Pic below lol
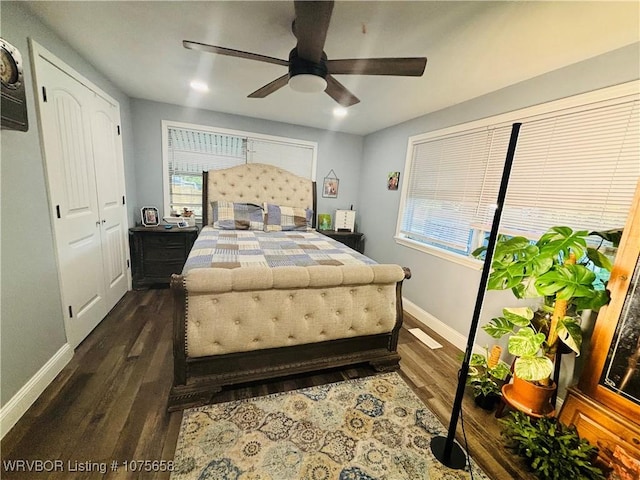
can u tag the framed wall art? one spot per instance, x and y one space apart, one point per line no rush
330 185
393 179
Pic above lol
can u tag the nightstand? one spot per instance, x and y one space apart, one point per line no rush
353 240
158 252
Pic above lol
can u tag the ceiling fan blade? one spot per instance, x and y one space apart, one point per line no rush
271 87
310 28
411 67
339 93
203 47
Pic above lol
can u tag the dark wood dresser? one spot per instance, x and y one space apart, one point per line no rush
353 240
605 405
157 252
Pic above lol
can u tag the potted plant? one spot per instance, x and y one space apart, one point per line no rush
552 450
554 268
486 375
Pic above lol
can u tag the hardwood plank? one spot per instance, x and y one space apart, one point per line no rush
109 403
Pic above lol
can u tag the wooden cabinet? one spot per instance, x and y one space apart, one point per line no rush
605 405
158 252
353 240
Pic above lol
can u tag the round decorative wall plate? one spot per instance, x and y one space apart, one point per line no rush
14 103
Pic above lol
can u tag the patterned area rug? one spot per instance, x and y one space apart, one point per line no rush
365 429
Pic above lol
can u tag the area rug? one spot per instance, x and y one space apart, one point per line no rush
365 429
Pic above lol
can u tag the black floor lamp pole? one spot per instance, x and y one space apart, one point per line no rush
444 448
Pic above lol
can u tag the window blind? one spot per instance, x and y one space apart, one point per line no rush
191 149
190 152
447 179
297 159
576 167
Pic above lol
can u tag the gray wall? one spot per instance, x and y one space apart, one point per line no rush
442 288
338 151
31 322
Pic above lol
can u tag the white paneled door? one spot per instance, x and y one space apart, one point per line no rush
83 156
109 168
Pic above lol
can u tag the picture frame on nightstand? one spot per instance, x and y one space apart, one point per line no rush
149 216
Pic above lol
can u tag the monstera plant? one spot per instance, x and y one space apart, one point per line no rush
555 268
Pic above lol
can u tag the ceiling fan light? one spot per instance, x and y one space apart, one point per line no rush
339 112
307 83
199 86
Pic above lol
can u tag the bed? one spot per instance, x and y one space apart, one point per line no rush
266 296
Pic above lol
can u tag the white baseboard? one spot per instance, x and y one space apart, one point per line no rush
29 393
442 329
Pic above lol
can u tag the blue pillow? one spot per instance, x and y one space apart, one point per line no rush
237 216
279 218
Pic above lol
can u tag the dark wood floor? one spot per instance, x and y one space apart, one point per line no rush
109 403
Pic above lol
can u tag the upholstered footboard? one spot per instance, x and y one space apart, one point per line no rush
238 325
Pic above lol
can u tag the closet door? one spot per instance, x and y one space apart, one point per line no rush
82 148
109 168
65 117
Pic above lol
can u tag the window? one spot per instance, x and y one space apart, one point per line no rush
577 163
446 183
188 150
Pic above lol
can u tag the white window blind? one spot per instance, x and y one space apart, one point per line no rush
576 167
447 180
189 150
297 159
189 153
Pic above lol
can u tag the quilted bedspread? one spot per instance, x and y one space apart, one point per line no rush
247 248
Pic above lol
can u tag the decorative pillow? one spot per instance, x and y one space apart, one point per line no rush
237 216
280 218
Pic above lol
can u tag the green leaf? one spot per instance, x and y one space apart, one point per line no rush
498 327
520 316
500 371
525 342
526 288
599 259
512 260
477 360
563 240
502 280
600 298
533 368
567 282
612 236
570 333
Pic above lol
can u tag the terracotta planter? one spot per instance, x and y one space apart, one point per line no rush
529 397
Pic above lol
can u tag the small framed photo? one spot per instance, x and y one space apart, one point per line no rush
330 187
150 216
393 179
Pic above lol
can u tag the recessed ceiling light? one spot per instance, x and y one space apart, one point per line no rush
339 112
199 86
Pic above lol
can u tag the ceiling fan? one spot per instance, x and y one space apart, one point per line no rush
309 68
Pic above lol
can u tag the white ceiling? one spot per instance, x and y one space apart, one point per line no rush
473 48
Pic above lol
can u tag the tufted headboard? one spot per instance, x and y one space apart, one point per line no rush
257 183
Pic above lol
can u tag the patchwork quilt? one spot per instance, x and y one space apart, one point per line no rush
254 248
